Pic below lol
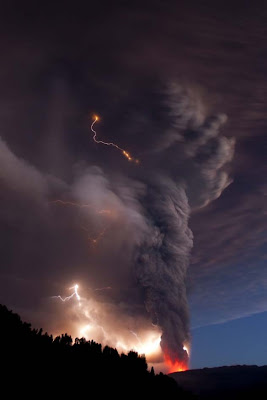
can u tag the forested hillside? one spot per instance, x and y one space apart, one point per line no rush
36 364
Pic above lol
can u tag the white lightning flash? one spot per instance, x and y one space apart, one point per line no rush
75 293
185 348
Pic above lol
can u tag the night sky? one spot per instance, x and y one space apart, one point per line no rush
171 245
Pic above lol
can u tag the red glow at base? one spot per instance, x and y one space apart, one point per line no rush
175 366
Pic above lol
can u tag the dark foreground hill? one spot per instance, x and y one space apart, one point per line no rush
235 382
36 365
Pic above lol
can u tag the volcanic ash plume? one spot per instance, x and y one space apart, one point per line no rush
191 156
161 267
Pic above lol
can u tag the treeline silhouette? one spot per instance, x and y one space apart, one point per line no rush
36 364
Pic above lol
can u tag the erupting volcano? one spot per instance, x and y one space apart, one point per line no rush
175 366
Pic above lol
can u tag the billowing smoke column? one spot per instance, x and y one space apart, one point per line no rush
161 266
192 155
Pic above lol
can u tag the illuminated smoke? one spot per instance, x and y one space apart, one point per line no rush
125 153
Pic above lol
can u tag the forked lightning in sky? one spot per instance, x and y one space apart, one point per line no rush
125 153
104 212
75 293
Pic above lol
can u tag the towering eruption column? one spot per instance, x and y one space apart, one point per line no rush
187 172
162 266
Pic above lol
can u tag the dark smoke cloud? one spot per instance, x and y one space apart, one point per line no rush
162 263
195 175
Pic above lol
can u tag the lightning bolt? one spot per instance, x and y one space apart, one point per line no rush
75 293
104 212
185 348
147 346
125 153
135 334
79 205
96 239
69 203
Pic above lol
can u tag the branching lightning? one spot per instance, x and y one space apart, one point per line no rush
149 345
79 205
125 153
103 212
103 288
135 335
75 293
69 203
98 237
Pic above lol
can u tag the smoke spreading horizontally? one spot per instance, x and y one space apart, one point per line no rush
148 243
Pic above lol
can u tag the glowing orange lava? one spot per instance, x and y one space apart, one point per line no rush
175 366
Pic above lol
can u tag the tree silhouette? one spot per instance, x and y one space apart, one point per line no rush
36 364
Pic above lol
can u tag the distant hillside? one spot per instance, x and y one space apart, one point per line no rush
234 382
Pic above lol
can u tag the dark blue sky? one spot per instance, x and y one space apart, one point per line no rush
241 341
